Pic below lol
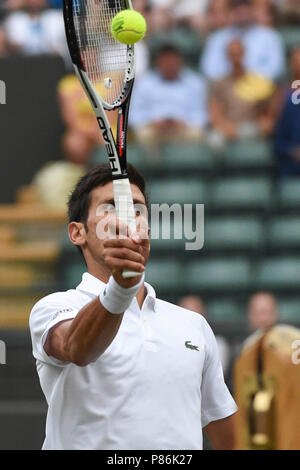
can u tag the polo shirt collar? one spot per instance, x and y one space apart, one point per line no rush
93 285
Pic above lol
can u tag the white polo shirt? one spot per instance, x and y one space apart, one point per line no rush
157 384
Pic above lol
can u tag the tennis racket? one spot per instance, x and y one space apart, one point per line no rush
105 68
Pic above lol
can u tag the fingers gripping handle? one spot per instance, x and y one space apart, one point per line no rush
125 211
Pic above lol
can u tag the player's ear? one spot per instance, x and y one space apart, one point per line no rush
77 233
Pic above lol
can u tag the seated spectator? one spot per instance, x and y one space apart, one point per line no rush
8 6
264 14
4 46
192 302
287 134
262 311
82 130
217 16
242 105
53 183
36 30
264 52
196 304
169 13
14 5
168 102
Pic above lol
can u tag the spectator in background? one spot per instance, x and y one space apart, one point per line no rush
4 46
196 304
169 102
169 13
192 302
242 105
82 132
36 30
264 14
287 134
217 16
52 184
262 311
264 52
12 5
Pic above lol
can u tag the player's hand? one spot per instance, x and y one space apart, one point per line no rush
126 252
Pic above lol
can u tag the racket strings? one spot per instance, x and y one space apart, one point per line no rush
103 57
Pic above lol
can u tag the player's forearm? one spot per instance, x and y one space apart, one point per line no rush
94 328
221 433
90 333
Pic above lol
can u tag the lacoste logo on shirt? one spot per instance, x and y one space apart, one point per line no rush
191 346
104 292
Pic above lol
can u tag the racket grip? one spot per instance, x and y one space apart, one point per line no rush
125 211
127 274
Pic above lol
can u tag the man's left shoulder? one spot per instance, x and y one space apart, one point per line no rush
167 307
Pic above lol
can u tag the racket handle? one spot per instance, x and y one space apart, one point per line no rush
125 212
127 274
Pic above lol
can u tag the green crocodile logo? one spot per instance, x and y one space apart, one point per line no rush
191 346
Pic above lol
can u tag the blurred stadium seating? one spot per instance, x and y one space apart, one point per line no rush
251 227
248 220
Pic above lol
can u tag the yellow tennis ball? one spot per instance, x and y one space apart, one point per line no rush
128 26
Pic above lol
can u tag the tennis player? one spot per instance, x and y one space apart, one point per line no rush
121 369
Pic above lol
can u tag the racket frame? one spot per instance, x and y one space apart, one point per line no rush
116 148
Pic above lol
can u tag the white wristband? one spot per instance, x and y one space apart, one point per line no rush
115 298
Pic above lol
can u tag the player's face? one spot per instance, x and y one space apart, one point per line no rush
102 221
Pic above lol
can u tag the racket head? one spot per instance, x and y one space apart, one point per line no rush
108 64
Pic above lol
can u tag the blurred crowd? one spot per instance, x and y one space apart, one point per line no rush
240 85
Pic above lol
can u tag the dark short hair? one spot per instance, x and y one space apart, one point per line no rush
168 48
79 201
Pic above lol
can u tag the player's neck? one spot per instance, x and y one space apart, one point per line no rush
141 295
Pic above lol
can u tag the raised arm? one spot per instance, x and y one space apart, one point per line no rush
83 339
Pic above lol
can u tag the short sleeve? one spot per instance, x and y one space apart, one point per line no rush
217 402
44 316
